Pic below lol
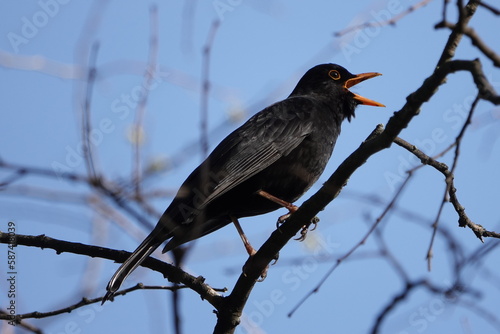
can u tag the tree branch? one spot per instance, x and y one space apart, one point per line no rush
465 14
355 247
229 315
173 274
392 21
463 219
86 301
476 41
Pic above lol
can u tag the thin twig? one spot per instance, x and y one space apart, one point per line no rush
445 7
87 301
391 21
476 41
435 225
409 287
463 219
115 193
449 181
86 117
388 255
149 73
20 323
492 9
206 88
403 295
353 249
457 33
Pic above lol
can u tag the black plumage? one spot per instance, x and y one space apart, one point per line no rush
281 150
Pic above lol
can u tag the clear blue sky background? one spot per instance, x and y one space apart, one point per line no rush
260 51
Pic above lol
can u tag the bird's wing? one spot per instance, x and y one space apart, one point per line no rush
258 143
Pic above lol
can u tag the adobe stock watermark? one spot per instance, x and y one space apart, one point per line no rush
76 325
363 37
292 280
31 25
454 117
221 7
121 108
427 313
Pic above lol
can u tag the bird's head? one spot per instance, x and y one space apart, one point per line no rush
332 81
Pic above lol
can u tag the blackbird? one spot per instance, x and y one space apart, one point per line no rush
268 162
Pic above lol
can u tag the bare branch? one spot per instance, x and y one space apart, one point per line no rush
476 41
206 87
174 274
393 303
86 118
21 323
465 14
391 21
115 193
449 180
353 249
149 73
87 301
492 9
463 219
229 309
380 139
404 294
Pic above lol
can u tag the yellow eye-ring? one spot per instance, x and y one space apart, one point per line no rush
334 74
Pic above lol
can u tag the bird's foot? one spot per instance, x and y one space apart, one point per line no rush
291 209
263 274
275 258
249 264
282 219
305 229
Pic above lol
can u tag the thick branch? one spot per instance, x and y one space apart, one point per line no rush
465 14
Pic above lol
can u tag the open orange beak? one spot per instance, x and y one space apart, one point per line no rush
357 79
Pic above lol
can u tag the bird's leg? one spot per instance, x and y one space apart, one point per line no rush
250 250
291 208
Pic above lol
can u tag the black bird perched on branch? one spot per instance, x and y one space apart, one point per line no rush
265 164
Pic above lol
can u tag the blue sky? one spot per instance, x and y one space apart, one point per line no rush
259 52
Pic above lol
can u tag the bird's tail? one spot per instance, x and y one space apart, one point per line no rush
142 252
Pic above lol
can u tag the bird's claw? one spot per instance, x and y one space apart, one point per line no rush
275 258
263 274
303 233
315 222
305 229
282 219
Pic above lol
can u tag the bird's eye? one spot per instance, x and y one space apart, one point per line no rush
334 74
